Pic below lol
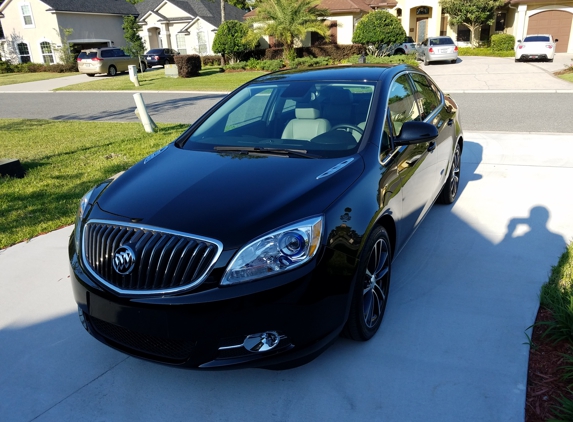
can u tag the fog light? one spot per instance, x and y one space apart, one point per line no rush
261 342
82 318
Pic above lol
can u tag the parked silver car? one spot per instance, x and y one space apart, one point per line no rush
434 49
108 60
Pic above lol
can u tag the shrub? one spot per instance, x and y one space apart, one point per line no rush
212 60
6 67
502 42
188 65
232 40
379 27
407 59
311 62
271 65
254 64
236 66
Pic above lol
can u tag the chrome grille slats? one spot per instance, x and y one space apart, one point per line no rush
165 261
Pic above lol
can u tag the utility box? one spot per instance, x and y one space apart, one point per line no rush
11 167
171 71
133 74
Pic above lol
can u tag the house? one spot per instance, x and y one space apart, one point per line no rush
187 26
31 29
423 18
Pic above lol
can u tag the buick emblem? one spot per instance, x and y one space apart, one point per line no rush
123 260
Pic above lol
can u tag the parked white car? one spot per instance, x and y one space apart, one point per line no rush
535 47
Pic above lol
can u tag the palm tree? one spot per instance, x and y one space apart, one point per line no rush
289 21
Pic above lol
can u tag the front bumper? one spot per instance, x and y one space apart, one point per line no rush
307 307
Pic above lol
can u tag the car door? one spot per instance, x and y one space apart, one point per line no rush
433 110
415 164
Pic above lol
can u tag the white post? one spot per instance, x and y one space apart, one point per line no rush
133 74
141 112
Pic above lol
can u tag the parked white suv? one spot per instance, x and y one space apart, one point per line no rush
108 60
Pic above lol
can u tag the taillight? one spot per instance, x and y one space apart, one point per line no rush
96 59
78 60
520 46
431 50
156 57
456 48
549 46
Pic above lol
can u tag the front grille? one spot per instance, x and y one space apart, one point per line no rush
161 261
166 349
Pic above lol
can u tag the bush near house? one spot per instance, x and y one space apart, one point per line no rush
7 67
377 29
502 42
211 60
334 51
188 65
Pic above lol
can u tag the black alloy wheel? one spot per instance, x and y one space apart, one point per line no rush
112 71
371 287
452 183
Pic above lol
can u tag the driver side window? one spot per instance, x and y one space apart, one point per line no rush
402 104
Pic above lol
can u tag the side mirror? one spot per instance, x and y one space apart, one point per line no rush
416 133
518 41
556 40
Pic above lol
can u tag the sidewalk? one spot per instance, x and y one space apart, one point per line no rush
469 74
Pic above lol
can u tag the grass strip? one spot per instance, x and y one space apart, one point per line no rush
63 160
20 78
209 79
484 52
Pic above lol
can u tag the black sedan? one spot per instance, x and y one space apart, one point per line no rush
160 57
269 227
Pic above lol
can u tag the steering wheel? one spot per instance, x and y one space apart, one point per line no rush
348 126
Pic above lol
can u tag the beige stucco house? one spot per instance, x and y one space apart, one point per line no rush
187 26
423 18
31 28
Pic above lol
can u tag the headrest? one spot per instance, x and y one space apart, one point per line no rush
306 113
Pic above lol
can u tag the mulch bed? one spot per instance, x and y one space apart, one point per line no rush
544 384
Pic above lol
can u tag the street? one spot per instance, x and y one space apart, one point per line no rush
505 112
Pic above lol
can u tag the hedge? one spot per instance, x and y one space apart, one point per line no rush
188 65
502 42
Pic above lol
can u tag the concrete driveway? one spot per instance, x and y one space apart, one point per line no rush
500 74
451 346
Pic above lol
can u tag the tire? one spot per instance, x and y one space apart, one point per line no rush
91 75
371 287
451 185
142 67
454 61
112 71
399 52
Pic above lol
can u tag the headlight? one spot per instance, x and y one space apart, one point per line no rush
279 251
82 211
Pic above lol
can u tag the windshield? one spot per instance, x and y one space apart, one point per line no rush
325 119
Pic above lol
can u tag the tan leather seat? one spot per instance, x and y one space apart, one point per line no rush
306 126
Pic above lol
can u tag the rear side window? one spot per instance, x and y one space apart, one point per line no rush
537 38
441 41
107 53
427 94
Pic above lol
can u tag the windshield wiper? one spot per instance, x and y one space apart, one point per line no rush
276 151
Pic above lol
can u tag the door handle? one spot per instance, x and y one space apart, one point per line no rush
450 122
432 146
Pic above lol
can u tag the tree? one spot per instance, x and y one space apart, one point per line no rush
64 52
135 46
289 21
232 39
377 29
471 13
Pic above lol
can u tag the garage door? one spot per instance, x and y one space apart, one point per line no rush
553 22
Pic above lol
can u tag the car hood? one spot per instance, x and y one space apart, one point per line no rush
229 197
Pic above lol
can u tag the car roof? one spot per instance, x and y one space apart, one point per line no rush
354 72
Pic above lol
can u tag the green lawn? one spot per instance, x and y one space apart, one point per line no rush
567 77
19 78
63 160
210 79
